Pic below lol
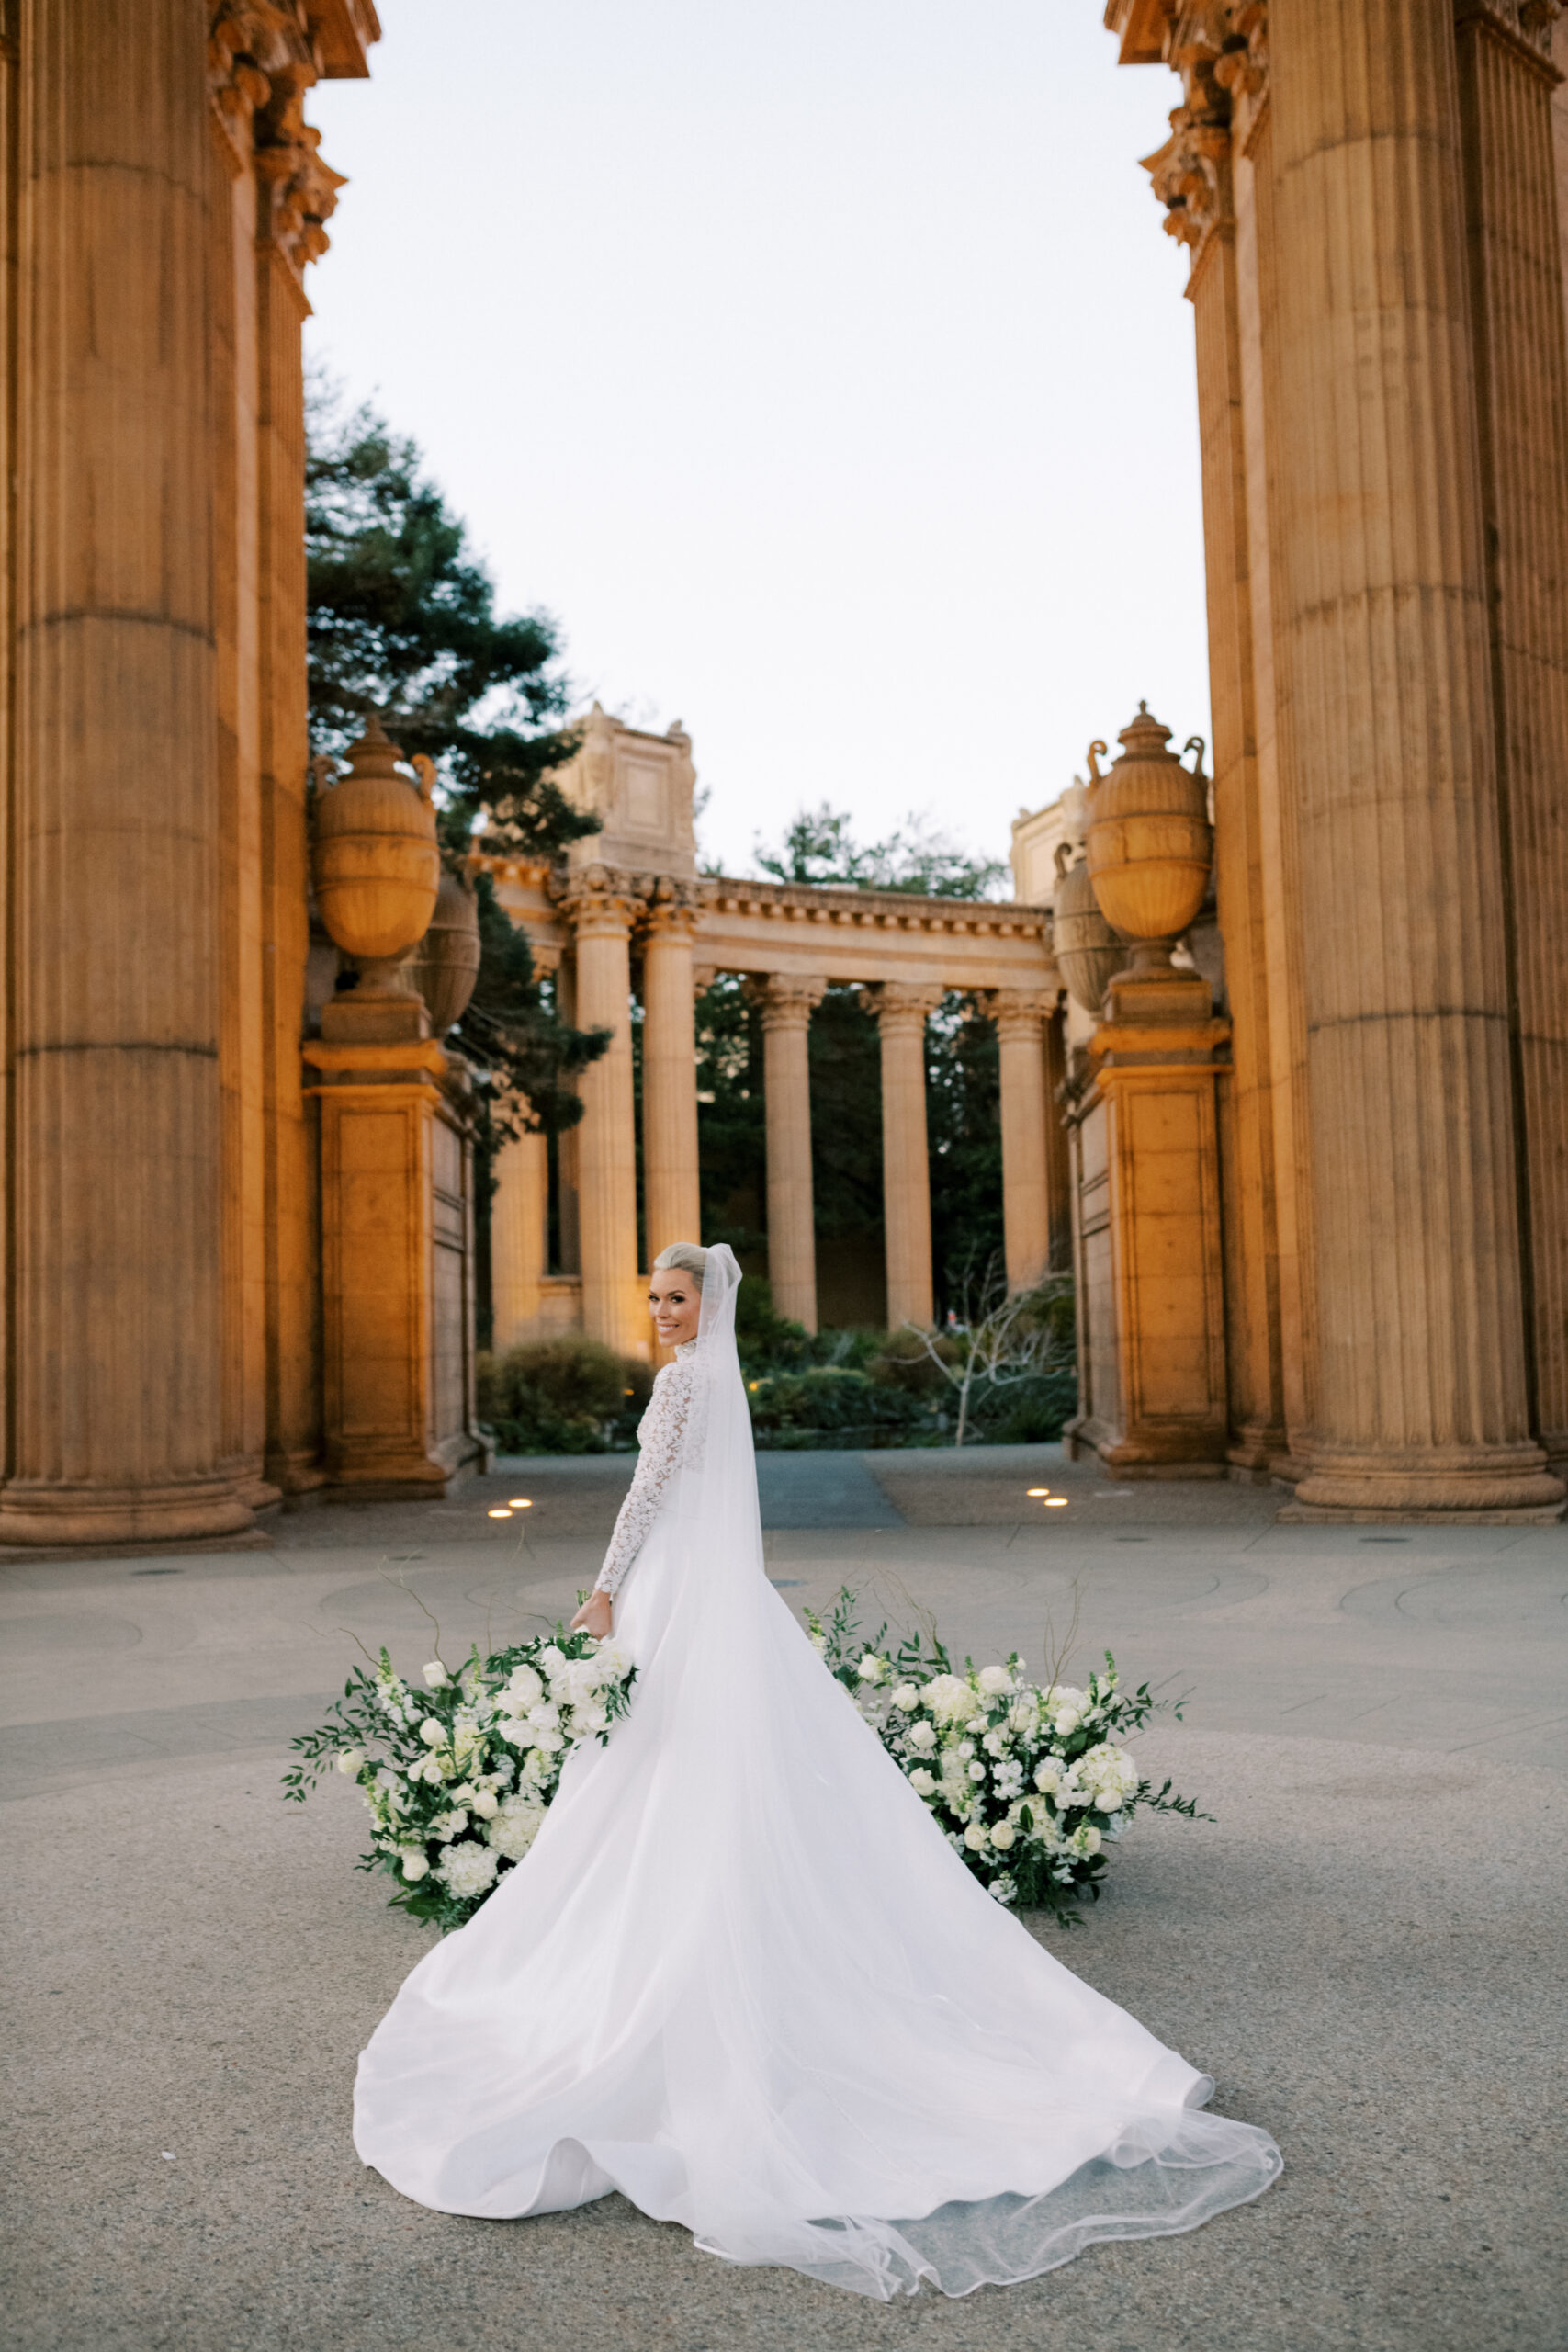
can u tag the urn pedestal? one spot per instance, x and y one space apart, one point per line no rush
1145 1162
397 1267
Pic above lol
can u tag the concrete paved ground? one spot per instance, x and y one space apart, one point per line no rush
1367 1948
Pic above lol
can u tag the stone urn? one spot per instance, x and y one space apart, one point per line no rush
374 861
446 964
1087 951
1150 843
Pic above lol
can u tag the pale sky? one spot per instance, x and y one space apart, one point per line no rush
822 368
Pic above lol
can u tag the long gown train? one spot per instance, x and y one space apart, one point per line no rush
742 1977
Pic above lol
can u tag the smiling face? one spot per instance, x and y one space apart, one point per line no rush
675 1302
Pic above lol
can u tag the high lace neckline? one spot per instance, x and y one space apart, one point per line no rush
685 1347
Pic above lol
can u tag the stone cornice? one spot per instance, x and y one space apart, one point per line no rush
797 902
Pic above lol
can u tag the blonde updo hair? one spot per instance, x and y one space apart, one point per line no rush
684 1257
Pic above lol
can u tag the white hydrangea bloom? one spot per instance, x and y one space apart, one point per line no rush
994 1680
469 1869
947 1697
515 1827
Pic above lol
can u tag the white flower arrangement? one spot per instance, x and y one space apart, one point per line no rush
1026 1780
457 1777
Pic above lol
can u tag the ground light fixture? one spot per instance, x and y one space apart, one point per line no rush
498 1514
520 1502
1051 1501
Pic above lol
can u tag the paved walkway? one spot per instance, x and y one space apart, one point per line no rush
1368 1947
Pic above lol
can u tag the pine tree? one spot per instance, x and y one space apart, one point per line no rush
402 620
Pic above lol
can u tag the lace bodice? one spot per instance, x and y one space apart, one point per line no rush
661 1435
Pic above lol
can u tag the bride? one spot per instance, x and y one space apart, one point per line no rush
741 1977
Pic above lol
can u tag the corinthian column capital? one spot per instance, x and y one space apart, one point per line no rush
785 1000
899 1007
598 901
1523 24
1020 1013
672 910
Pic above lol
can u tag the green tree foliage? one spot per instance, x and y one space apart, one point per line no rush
402 620
819 847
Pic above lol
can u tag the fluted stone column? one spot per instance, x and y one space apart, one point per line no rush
601 912
901 1012
1423 1405
1507 79
116 1344
1021 1016
519 1214
672 1194
786 1006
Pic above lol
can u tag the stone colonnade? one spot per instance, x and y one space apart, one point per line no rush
684 931
1366 191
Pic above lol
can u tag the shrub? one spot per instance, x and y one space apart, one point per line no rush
830 1405
562 1395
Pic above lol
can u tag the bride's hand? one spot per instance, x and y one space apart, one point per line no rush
593 1617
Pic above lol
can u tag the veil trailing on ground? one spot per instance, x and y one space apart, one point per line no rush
740 1976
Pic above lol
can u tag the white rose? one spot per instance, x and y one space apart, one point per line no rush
550 1741
976 1772
1065 1722
994 1680
922 1782
486 1804
431 1732
1047 1778
611 1665
593 1718
522 1689
515 1730
905 1698
551 1658
416 1863
871 1669
1085 1840
545 1716
1003 1835
436 1674
351 1760
922 1738
975 1836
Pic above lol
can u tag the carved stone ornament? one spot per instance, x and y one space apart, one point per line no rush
1527 22
374 858
261 61
784 1000
1150 844
445 964
1089 953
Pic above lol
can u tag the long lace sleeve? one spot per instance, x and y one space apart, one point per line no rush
660 1435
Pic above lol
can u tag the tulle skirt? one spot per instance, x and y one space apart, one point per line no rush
742 1978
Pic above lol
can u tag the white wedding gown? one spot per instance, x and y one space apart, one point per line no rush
741 1977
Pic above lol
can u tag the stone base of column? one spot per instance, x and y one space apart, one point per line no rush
36 1512
1499 1487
